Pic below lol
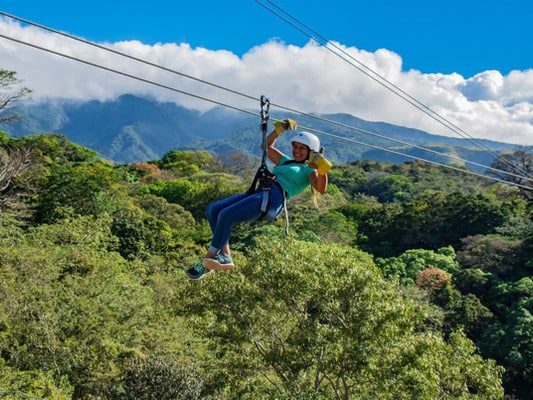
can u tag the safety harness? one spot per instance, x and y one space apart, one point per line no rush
264 179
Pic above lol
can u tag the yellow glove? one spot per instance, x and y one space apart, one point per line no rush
285 125
317 161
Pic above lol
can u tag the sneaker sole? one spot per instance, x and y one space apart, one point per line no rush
210 263
198 277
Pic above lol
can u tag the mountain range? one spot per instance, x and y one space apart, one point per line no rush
131 129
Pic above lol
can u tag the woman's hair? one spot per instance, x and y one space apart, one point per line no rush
314 196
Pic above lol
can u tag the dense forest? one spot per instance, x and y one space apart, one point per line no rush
408 281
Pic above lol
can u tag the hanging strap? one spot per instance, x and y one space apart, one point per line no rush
262 175
264 179
265 115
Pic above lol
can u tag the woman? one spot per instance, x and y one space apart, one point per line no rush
307 167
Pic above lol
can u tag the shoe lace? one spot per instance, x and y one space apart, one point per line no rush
199 267
223 258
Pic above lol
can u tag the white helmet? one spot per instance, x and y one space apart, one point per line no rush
308 139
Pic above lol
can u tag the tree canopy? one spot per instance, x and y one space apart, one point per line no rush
394 287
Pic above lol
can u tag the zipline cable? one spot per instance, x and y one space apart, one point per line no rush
246 111
449 156
367 70
124 74
128 56
452 167
327 44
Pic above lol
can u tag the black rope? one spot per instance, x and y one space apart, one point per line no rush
265 115
264 179
261 178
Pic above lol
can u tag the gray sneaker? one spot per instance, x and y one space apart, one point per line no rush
198 271
221 262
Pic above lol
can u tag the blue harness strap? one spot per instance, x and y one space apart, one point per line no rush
263 182
265 201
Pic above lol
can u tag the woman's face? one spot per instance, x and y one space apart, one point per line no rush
300 151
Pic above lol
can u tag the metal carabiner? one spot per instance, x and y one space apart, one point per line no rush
265 112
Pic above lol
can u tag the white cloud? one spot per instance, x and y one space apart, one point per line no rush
310 79
487 85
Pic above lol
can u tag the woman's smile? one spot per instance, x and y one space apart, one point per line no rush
299 151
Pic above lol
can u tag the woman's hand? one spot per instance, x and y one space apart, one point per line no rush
319 162
285 125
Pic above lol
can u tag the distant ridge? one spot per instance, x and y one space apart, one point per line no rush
131 129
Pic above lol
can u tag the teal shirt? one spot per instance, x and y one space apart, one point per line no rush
293 178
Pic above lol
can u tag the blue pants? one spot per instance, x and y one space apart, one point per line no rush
223 214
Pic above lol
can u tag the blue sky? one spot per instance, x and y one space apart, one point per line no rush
471 62
461 36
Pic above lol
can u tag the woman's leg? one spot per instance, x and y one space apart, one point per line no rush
241 209
223 214
213 211
244 208
214 208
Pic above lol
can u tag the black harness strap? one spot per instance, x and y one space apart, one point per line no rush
265 115
263 177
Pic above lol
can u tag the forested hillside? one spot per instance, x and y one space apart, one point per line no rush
131 129
407 282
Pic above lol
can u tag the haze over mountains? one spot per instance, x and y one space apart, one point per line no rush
132 129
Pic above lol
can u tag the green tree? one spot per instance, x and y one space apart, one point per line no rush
142 233
70 308
57 149
511 344
390 188
196 192
408 265
160 377
526 252
430 221
180 220
475 281
346 178
331 226
33 384
84 189
377 235
186 163
302 320
472 315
